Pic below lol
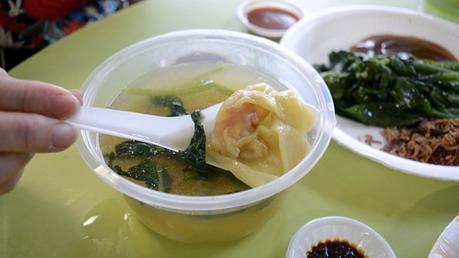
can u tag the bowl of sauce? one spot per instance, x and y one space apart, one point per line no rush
336 236
388 44
270 18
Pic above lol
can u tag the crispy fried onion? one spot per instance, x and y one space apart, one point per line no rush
431 141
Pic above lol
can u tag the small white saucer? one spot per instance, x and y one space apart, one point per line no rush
331 228
288 5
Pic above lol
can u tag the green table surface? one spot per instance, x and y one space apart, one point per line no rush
61 209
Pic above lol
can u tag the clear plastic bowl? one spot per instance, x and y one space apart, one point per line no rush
207 218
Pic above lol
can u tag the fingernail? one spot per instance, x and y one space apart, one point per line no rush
63 135
65 105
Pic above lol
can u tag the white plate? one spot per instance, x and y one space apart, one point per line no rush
339 28
447 245
334 227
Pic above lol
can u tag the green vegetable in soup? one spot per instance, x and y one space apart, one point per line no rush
174 104
391 91
154 175
195 154
198 84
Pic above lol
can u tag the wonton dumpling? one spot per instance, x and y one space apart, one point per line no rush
260 133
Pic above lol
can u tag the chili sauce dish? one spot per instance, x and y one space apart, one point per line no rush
394 77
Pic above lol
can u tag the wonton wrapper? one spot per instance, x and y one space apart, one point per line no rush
260 133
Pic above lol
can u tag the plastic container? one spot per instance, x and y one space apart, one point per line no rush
339 228
208 218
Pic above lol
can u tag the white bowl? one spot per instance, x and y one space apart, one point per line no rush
287 5
330 228
338 29
447 244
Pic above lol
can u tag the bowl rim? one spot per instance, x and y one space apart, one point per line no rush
326 221
219 203
446 173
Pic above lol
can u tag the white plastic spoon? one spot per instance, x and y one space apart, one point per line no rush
170 132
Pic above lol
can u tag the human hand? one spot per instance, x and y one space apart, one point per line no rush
30 114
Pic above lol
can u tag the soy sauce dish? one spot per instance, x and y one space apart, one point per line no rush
380 113
338 237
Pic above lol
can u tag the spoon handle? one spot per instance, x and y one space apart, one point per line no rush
163 131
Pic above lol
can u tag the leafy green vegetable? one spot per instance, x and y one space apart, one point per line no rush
197 84
154 176
391 91
174 103
195 153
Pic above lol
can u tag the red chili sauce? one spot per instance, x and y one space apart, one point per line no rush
272 18
335 248
392 45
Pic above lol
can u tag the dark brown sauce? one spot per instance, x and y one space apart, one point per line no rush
334 249
272 18
393 45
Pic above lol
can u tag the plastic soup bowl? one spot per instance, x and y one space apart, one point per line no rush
207 218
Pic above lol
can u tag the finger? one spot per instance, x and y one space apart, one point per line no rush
77 94
3 72
11 164
9 185
36 97
25 132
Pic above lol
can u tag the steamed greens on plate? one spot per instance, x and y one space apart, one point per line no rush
391 91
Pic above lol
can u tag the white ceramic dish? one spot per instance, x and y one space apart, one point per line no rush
250 5
339 28
447 245
330 228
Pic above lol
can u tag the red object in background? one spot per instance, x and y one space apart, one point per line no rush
10 24
50 9
37 40
71 27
